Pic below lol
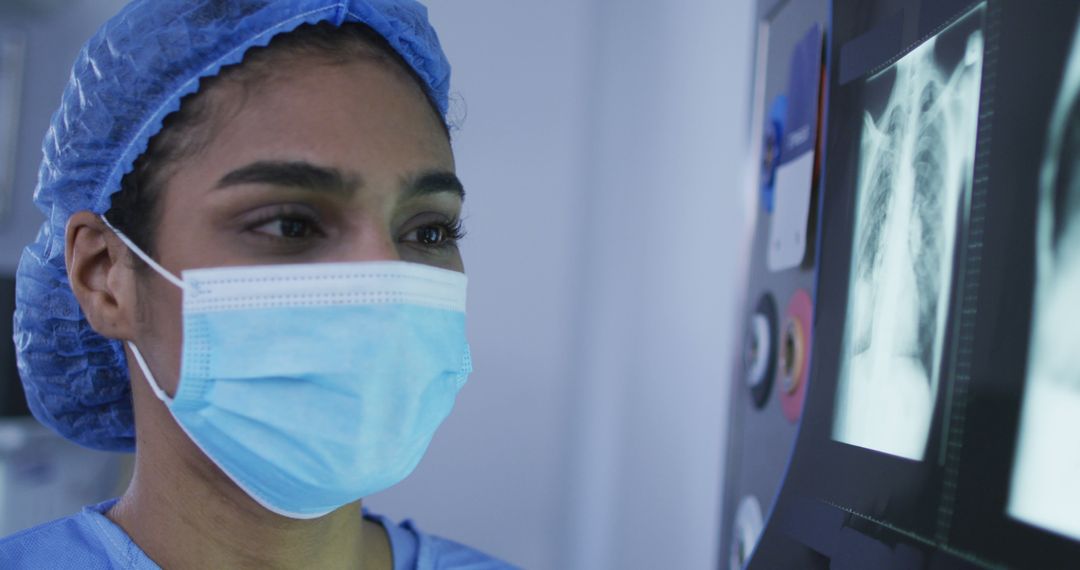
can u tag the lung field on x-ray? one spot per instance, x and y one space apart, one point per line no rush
926 239
925 221
915 163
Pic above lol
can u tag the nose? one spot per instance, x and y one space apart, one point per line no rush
373 241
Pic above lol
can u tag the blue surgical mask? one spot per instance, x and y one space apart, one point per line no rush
312 386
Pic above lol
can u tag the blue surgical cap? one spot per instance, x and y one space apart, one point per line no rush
126 80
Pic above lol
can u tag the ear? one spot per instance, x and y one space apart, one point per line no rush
101 277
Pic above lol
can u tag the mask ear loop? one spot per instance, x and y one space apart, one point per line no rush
161 395
146 258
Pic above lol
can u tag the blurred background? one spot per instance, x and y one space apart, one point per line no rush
603 144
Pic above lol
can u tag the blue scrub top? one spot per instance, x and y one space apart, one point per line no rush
90 540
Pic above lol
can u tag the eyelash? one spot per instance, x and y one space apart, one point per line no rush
453 230
286 213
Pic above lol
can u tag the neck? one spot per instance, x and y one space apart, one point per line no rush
185 513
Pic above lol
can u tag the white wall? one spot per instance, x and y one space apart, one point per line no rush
667 228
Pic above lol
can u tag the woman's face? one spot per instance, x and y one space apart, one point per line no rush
315 163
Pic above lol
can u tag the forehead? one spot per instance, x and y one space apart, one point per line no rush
364 112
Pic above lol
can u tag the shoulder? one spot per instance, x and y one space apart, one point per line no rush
416 550
87 540
63 543
440 553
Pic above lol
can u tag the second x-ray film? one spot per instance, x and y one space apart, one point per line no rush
915 166
1046 478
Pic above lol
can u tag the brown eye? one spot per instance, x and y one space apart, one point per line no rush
435 235
294 228
287 228
430 235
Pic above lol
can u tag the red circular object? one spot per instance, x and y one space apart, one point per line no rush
797 325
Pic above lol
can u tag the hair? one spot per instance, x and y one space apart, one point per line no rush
185 132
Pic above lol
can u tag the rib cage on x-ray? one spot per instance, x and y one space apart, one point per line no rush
926 223
916 161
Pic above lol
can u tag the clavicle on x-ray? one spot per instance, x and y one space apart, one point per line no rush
915 166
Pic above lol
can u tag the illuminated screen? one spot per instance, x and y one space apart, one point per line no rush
1046 479
915 164
946 359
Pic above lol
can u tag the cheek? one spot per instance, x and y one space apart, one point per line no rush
448 259
454 263
160 326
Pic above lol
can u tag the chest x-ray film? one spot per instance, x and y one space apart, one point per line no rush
915 166
1046 478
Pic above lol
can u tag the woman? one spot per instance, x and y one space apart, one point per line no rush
252 202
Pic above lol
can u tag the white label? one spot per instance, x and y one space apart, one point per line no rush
787 236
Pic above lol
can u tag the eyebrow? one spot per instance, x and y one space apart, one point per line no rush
434 182
307 176
298 174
